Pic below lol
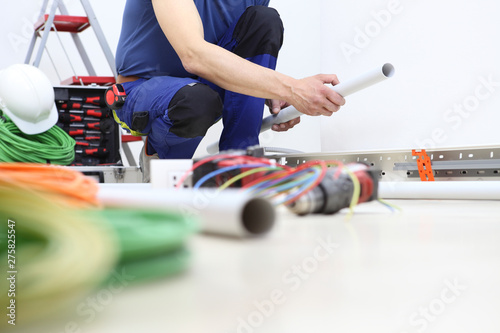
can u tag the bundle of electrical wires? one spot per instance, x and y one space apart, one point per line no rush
53 146
284 185
66 246
58 254
281 184
63 185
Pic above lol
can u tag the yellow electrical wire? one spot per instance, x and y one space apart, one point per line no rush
243 175
388 204
356 191
61 254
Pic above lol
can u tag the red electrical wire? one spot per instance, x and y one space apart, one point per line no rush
278 174
216 157
266 178
367 185
324 169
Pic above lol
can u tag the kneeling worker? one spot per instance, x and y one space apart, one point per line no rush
184 64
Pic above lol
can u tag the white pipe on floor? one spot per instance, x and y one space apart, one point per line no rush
446 190
229 212
345 89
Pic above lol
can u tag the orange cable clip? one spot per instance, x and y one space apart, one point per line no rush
424 165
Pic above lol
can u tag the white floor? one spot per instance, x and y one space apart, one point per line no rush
435 267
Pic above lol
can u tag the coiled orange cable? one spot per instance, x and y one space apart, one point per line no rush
70 186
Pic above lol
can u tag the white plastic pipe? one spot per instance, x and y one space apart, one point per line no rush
229 212
451 190
344 89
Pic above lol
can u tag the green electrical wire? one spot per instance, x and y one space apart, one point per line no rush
152 243
53 146
61 254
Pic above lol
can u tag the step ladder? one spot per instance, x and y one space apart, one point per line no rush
73 25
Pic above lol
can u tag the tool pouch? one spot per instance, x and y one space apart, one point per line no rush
140 121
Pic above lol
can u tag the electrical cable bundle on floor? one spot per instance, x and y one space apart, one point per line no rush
53 146
64 185
59 255
67 246
322 187
152 243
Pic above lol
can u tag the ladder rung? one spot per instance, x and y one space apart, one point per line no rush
88 80
65 23
130 138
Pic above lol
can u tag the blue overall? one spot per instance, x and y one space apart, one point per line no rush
241 114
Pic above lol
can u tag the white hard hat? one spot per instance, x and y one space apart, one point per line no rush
27 98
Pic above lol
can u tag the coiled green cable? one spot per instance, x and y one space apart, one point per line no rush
61 254
53 146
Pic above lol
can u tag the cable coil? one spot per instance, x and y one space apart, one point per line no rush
67 245
53 146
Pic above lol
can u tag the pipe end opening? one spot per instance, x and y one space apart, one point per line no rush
258 216
388 70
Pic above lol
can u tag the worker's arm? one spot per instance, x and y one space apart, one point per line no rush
181 23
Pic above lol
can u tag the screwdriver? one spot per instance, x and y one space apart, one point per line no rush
96 100
66 105
89 112
92 100
72 105
77 132
87 144
96 152
88 138
90 126
69 118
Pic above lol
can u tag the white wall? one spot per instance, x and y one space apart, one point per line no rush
300 56
443 52
16 23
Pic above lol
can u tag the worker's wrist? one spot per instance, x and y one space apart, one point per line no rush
286 88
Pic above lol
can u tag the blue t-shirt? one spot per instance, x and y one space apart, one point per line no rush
144 51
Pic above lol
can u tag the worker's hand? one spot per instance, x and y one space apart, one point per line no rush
312 97
275 106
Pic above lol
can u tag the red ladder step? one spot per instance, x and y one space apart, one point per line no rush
88 80
64 23
130 138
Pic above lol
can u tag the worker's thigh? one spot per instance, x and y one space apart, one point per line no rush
256 36
178 109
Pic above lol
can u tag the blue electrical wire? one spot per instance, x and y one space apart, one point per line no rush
269 183
266 189
218 172
289 185
302 189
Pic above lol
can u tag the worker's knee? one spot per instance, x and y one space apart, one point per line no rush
259 31
193 109
263 14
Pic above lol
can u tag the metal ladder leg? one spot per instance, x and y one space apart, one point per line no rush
34 37
49 24
100 35
46 32
79 44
